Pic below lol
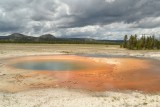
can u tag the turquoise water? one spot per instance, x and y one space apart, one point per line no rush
53 65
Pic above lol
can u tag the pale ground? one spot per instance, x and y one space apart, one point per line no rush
73 98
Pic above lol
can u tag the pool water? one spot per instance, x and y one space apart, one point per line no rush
53 65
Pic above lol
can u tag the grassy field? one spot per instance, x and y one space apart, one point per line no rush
9 50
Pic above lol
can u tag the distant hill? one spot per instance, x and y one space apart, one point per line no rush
48 38
3 37
17 37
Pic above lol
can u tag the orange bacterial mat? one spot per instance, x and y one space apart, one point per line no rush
97 74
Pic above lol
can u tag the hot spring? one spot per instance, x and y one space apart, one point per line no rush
53 65
87 73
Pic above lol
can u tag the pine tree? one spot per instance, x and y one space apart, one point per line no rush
135 41
125 41
144 42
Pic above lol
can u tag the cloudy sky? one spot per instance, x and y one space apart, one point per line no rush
98 19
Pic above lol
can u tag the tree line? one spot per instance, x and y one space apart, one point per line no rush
143 43
64 41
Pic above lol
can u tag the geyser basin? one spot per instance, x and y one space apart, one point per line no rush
96 74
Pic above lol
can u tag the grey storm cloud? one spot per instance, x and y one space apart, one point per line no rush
101 12
80 18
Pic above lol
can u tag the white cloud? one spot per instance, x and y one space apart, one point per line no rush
99 19
109 1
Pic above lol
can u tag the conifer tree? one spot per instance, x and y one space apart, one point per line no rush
144 42
125 41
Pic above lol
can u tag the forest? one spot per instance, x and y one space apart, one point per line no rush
142 43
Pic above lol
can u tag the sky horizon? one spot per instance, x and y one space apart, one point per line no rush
97 19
